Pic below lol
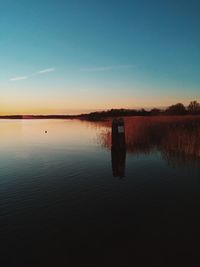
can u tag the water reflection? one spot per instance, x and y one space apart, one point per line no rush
176 138
118 162
57 195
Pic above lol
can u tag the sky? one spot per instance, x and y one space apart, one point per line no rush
72 56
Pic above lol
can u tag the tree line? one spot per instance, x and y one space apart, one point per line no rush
178 109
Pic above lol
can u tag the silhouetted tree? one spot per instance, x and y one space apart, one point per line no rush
194 107
155 111
178 109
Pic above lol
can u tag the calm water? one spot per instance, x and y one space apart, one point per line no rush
68 199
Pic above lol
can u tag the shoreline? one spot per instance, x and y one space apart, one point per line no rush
88 116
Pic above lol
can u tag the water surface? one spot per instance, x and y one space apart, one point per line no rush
66 199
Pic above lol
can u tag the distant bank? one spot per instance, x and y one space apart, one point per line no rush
26 117
178 109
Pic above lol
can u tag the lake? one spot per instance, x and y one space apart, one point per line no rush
67 198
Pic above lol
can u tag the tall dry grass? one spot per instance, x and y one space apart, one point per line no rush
175 137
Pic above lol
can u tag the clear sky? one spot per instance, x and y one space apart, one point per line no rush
66 56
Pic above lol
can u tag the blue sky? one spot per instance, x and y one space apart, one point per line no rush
65 56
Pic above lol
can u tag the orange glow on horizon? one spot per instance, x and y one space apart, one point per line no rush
77 106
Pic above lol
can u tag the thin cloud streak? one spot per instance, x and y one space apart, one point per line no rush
46 70
33 74
19 78
106 68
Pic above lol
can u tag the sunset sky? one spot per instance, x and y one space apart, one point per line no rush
70 56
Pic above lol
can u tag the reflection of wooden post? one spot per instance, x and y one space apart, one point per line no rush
118 150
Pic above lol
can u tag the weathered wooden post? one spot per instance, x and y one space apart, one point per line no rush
118 150
118 133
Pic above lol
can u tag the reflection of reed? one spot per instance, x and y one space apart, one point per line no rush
181 145
178 138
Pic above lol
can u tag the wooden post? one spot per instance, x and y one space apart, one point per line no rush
118 151
118 133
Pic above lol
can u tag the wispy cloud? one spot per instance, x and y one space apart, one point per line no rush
46 70
19 78
106 68
33 74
